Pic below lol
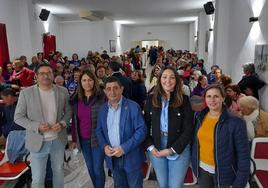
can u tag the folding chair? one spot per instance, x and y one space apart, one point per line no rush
259 154
13 171
190 178
9 171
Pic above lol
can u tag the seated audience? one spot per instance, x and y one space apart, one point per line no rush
59 80
101 75
256 119
139 93
234 93
201 86
7 111
34 64
21 75
114 68
73 81
211 76
8 70
250 83
194 79
75 61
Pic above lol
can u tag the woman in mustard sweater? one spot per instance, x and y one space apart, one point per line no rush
220 151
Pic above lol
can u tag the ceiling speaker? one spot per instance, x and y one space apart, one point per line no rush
209 8
44 14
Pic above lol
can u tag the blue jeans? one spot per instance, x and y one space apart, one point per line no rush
171 173
124 179
94 158
38 160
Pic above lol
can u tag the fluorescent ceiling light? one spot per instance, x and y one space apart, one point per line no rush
122 22
185 19
56 9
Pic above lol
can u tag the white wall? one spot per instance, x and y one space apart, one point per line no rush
10 15
205 23
176 36
236 37
192 35
24 28
202 35
80 37
222 33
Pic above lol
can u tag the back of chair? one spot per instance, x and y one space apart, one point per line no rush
259 155
190 178
259 148
1 155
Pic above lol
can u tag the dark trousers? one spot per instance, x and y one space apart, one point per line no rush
123 179
206 180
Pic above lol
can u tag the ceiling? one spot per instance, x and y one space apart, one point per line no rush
128 12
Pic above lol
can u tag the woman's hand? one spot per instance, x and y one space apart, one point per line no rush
155 152
164 153
161 153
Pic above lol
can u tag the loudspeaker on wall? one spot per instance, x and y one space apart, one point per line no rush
209 8
44 14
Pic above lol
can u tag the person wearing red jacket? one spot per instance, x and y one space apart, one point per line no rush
21 75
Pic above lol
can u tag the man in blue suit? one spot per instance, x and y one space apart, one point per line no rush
120 132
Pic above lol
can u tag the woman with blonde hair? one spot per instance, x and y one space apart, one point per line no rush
256 119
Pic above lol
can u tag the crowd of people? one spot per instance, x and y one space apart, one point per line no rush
184 115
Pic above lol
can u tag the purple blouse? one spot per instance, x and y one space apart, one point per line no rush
84 117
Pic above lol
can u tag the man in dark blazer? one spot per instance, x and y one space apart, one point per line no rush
114 68
120 132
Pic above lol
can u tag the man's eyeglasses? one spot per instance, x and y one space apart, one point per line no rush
45 74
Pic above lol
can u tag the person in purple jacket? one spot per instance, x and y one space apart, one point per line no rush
85 104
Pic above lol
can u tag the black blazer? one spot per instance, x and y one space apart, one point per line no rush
180 124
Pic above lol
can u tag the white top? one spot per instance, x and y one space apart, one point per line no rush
207 167
251 121
48 105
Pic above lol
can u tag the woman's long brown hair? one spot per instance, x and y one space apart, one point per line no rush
176 95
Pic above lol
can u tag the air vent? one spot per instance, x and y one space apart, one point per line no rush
91 16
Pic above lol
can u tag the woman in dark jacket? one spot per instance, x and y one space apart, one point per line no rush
220 151
169 116
86 103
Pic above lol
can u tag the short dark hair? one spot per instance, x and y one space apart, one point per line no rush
41 65
100 67
234 87
111 79
214 66
76 69
8 92
115 66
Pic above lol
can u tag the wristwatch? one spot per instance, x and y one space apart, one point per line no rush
171 152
